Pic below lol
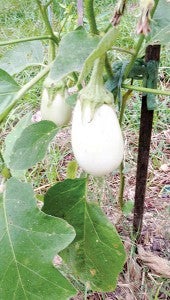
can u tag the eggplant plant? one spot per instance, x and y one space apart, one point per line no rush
68 224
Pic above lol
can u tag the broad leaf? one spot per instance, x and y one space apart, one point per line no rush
73 50
32 145
11 140
96 255
22 56
160 25
8 91
105 44
29 240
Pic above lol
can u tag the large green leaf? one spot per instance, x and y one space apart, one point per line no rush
22 56
160 25
10 141
32 145
8 91
29 240
97 254
105 44
74 48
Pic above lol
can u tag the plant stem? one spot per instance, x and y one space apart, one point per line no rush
134 57
124 100
121 169
123 50
65 19
45 16
27 39
43 10
89 9
32 82
28 85
108 67
48 3
97 73
145 90
1 157
138 46
122 186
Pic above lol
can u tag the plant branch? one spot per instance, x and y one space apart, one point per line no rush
122 175
45 17
134 57
138 47
66 18
1 157
27 86
27 39
123 50
145 90
54 39
124 100
32 82
89 9
48 3
108 67
122 186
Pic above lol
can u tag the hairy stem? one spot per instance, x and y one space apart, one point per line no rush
108 67
121 169
43 10
138 47
122 186
89 9
145 90
124 101
32 82
27 39
27 86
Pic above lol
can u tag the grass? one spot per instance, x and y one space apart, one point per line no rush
24 20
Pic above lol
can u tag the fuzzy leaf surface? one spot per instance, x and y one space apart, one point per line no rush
97 254
73 50
160 26
32 145
11 139
29 240
8 90
22 56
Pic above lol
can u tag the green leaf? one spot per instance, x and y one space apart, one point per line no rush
151 82
128 207
8 91
103 46
10 141
160 26
22 56
32 145
73 50
72 169
71 100
97 254
29 240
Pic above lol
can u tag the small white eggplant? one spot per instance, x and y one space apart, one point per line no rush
56 110
97 140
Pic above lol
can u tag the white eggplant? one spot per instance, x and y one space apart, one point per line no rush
97 140
56 110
